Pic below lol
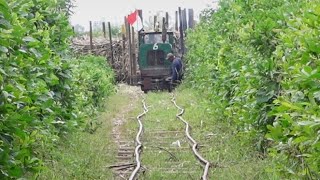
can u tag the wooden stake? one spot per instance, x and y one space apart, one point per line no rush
130 51
110 37
91 43
134 64
191 18
164 30
124 34
154 23
184 19
140 14
181 32
176 22
104 29
167 20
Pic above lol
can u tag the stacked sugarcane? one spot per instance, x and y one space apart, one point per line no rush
101 47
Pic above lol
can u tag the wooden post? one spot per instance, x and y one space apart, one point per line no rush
140 14
181 32
111 47
184 19
164 30
176 22
104 29
167 20
124 34
136 58
130 51
91 43
134 64
191 18
123 38
154 22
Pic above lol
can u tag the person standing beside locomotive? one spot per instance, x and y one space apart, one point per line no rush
176 68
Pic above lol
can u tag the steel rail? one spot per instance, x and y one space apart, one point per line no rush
194 143
139 144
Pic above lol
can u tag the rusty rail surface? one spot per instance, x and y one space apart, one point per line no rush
194 143
139 144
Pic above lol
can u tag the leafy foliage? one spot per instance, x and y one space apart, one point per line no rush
93 81
257 64
39 98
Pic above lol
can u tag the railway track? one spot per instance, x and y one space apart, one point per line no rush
194 143
161 153
139 144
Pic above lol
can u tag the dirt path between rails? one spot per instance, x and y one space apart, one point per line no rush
124 163
134 93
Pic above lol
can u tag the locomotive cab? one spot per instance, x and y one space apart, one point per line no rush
153 66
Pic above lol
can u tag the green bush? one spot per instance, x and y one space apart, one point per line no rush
93 81
40 98
258 63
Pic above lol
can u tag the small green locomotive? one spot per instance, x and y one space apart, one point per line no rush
153 66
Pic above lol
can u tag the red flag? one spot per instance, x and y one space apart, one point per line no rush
132 17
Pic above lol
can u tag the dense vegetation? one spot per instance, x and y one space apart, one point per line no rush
257 64
43 94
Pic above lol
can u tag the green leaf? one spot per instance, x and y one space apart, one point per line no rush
29 39
35 52
7 95
15 171
4 8
275 132
3 49
4 24
23 51
306 123
300 140
3 72
291 106
263 98
314 46
58 122
49 110
3 3
307 70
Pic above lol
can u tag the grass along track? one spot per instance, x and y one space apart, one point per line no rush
232 156
87 156
166 152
